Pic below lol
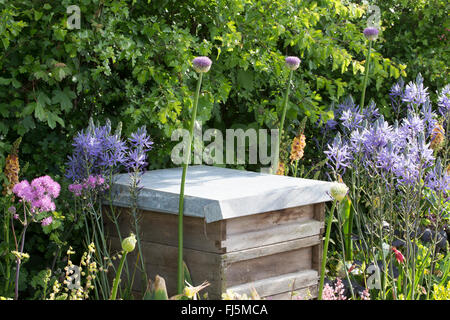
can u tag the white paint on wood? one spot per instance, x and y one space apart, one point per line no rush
218 193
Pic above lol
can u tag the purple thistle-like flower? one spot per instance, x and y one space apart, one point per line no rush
96 151
429 118
378 136
412 126
386 158
202 64
371 112
443 101
438 179
136 160
76 189
338 154
351 120
292 63
140 139
415 94
47 221
371 33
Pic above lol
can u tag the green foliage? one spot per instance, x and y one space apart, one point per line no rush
130 61
416 33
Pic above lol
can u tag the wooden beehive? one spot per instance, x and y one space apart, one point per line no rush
242 230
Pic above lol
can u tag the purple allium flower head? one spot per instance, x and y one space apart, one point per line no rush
12 210
371 33
202 64
47 221
292 62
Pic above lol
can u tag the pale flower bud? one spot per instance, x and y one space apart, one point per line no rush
338 191
129 243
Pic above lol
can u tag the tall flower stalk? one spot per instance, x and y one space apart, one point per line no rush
371 34
292 63
201 65
37 198
338 192
128 245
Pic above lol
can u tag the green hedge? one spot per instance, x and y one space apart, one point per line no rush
130 62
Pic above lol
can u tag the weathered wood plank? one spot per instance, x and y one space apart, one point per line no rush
163 228
307 293
247 271
278 233
162 260
266 220
271 249
278 284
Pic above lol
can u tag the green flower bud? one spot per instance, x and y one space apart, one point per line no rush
129 243
338 191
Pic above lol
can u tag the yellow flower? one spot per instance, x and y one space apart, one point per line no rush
191 292
280 170
297 146
437 137
12 169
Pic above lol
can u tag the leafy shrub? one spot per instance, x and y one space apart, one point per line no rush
130 61
416 34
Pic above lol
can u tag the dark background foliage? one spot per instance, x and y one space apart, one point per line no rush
130 62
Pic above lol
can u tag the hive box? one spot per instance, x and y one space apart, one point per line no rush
242 229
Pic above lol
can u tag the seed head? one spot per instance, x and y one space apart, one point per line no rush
338 191
371 33
202 64
292 63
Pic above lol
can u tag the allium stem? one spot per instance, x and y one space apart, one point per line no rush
325 249
117 279
180 282
19 262
283 116
366 77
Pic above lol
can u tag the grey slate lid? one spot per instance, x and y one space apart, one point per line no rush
217 193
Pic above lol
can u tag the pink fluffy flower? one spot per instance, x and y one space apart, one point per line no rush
40 193
76 189
336 293
44 204
46 221
22 190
